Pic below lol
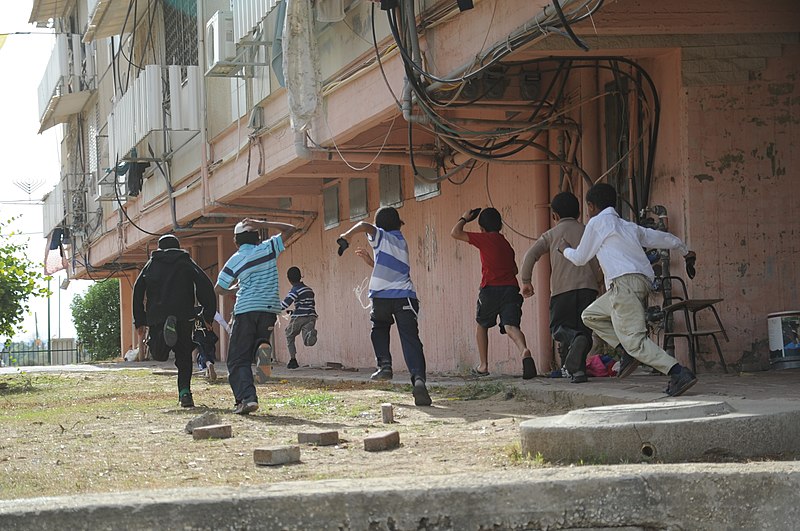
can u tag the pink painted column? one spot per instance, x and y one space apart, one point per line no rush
543 347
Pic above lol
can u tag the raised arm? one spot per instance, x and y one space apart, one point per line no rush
362 226
458 229
286 229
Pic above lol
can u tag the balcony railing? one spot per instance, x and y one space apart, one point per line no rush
68 81
247 15
149 124
54 210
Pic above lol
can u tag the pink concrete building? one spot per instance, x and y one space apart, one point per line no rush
693 106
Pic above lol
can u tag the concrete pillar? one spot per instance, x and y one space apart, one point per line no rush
543 346
128 337
224 303
591 158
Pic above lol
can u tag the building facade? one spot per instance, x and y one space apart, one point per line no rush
185 116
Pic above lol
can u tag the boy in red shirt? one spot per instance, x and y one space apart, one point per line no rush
499 293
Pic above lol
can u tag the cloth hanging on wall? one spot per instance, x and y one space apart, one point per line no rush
301 64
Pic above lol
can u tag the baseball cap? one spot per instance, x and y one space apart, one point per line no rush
243 227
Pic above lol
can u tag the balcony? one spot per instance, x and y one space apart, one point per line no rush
68 81
247 15
149 123
54 209
108 18
43 10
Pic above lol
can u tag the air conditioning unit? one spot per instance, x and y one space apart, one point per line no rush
220 48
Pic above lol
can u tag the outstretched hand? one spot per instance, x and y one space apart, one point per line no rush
563 245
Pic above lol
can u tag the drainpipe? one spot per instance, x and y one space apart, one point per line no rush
204 146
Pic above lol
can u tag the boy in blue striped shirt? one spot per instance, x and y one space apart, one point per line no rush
393 299
252 275
304 315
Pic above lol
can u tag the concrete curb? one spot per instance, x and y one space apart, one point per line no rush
654 497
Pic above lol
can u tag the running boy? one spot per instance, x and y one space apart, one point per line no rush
393 299
618 316
304 315
499 291
572 288
252 274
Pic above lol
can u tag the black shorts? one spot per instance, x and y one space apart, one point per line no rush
503 301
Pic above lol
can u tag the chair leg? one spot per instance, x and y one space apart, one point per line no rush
719 353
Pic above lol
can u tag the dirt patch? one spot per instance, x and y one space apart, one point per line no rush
117 431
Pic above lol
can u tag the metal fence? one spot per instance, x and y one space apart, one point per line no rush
59 353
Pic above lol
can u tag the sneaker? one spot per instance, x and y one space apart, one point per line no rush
420 392
681 382
383 373
171 331
186 400
263 363
292 364
578 350
627 364
528 368
245 408
311 338
211 373
579 377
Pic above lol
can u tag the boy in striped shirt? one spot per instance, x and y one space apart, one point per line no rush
393 299
252 275
304 315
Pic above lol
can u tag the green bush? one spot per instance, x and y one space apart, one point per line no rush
96 318
20 280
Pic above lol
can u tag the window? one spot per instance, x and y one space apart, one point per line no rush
391 191
358 199
330 205
424 189
180 32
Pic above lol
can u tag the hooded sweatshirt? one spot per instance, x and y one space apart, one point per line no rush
171 281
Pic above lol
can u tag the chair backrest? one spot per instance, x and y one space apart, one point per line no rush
668 290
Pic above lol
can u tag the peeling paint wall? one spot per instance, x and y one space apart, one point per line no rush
741 185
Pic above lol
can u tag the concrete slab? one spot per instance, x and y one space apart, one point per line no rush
665 431
697 496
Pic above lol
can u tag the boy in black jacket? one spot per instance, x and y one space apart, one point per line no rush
170 282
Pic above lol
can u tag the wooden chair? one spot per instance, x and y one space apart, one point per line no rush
680 303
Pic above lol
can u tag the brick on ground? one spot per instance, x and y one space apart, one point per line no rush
276 455
385 440
215 431
319 438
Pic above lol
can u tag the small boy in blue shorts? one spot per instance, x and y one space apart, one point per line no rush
499 291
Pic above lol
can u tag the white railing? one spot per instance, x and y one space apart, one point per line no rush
57 69
141 110
247 14
53 212
65 71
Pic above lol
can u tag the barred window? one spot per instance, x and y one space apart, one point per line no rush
180 31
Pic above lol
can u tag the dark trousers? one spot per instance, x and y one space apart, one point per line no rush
250 329
404 311
159 350
566 324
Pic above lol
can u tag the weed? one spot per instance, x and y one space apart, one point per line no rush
518 458
476 391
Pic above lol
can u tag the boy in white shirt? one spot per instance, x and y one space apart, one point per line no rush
618 316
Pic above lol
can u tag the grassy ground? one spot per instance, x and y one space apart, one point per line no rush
116 431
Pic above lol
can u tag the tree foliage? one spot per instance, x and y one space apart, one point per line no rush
96 318
20 280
